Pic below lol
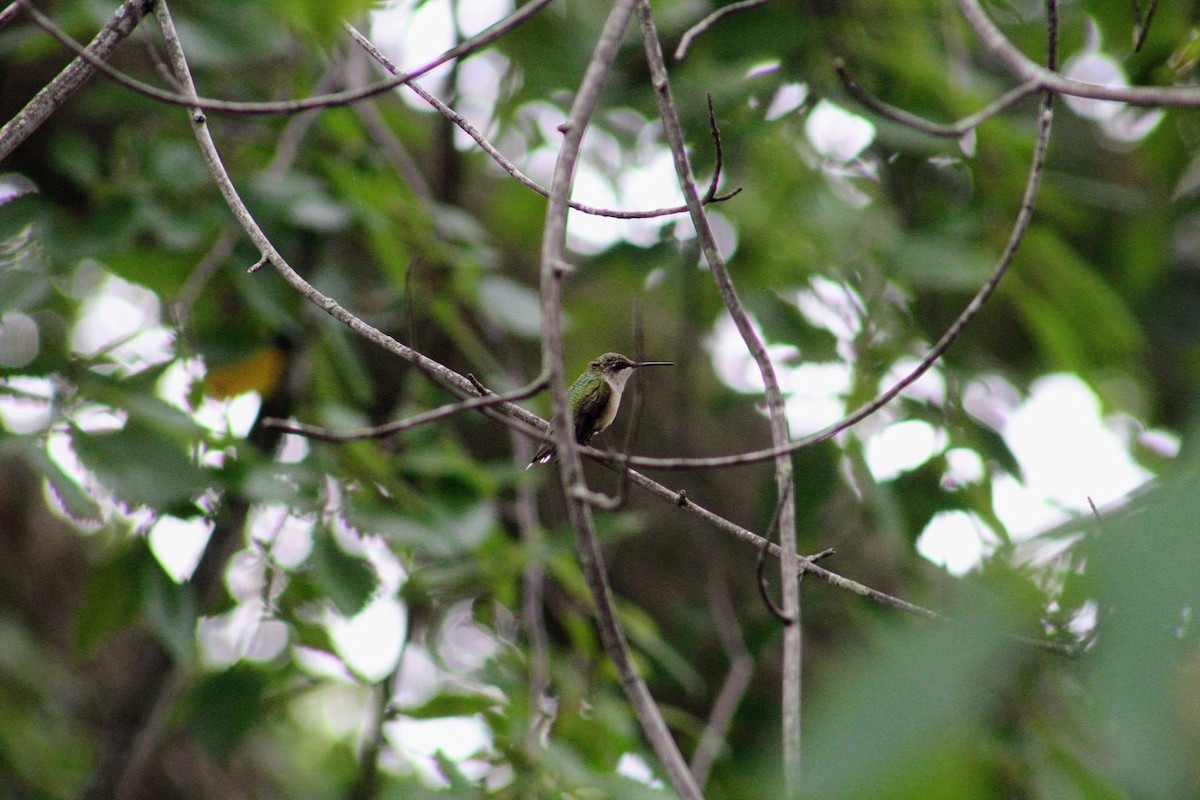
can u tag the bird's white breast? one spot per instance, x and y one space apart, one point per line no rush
617 383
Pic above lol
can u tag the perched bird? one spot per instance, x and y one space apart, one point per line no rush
594 398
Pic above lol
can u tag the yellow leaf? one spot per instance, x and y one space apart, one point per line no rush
258 372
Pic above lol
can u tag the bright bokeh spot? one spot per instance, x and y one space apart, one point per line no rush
26 403
633 766
1066 450
371 640
120 321
178 544
901 447
456 738
951 540
836 134
1119 121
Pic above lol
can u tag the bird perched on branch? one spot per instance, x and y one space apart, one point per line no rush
594 398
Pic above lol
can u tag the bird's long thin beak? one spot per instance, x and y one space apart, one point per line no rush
655 364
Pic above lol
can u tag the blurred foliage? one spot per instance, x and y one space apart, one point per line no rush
120 668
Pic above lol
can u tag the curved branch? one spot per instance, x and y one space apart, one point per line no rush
1026 69
774 396
332 100
1020 226
710 197
55 93
570 468
948 130
703 25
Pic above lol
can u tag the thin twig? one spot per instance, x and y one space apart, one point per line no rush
399 426
774 396
74 75
710 197
1020 226
760 567
1141 27
948 130
806 566
448 379
332 100
553 256
737 680
287 149
9 13
533 585
712 19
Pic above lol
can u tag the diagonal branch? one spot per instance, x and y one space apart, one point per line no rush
511 168
1025 69
399 426
74 75
948 130
778 420
332 100
570 468
972 309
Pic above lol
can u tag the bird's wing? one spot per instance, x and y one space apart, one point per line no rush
591 408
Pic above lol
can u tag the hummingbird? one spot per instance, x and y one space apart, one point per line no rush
594 398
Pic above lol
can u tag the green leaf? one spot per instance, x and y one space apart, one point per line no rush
78 504
1141 569
348 580
224 706
879 731
514 307
113 594
170 609
451 705
141 466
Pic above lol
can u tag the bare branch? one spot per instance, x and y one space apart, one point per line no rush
1141 23
571 470
9 13
759 570
948 130
712 19
457 384
1026 69
737 680
332 100
74 75
1020 226
399 426
510 167
533 585
774 397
